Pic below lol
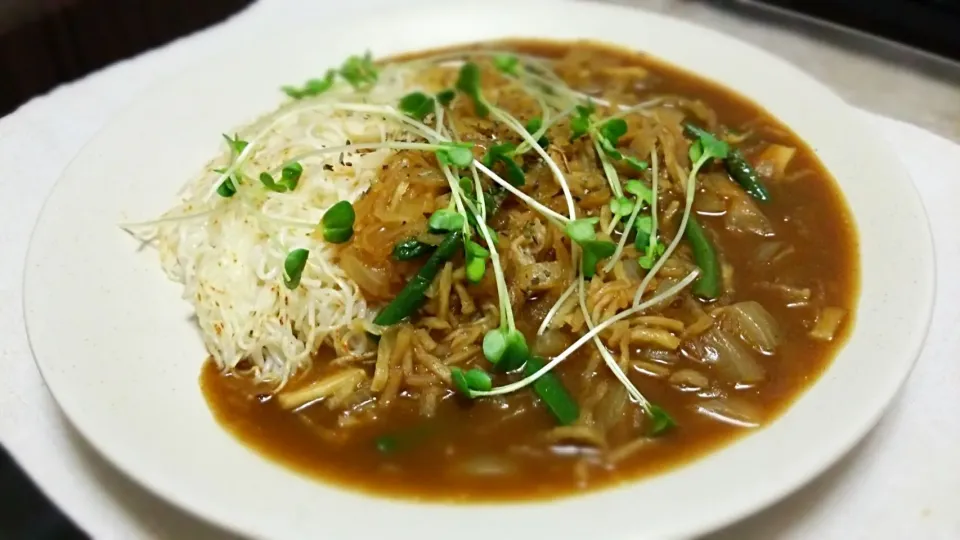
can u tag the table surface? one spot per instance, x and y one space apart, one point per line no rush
871 73
879 76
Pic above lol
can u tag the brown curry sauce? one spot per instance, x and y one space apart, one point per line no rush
826 253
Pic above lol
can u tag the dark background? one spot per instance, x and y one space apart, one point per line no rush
44 43
932 25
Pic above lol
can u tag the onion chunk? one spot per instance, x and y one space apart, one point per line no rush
754 324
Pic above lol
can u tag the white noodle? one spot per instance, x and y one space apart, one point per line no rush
229 252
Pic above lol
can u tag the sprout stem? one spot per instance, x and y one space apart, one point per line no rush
605 354
551 164
691 179
673 290
556 308
557 219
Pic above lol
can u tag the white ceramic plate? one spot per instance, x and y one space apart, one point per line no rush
119 352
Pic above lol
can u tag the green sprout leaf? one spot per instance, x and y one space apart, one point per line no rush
290 176
227 188
582 232
476 256
444 97
411 248
593 252
610 150
578 128
475 269
474 249
455 154
644 226
494 345
474 222
648 259
417 105
612 130
660 421
445 220
640 190
635 163
313 87
707 144
293 267
337 222
473 219
503 153
580 122
359 71
468 382
517 351
621 207
534 126
507 63
506 349
695 131
466 186
236 145
651 248
609 136
696 151
468 82
268 182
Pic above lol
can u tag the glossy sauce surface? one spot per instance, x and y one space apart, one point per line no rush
493 449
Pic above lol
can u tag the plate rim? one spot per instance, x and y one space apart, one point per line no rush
928 282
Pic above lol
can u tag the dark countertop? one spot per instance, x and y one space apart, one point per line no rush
26 513
44 44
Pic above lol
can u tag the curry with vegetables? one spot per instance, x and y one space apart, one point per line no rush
570 266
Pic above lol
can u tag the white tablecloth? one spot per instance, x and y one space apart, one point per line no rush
902 481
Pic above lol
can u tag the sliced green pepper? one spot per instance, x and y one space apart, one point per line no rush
738 168
410 249
414 292
551 390
707 284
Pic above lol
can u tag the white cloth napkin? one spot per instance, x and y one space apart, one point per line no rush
903 481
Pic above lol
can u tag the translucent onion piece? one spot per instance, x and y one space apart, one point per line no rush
551 343
733 360
778 157
689 379
609 411
743 215
372 282
731 410
708 202
754 324
828 323
795 296
766 251
632 269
